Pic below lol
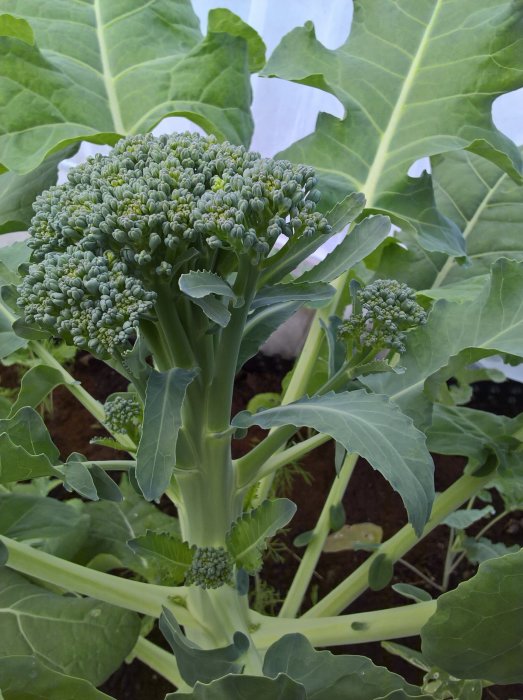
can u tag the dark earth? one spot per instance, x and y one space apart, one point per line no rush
369 499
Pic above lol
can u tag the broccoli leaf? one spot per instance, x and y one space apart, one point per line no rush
249 534
463 636
156 454
37 383
234 687
31 616
374 428
95 74
359 243
402 79
202 665
326 676
27 677
169 553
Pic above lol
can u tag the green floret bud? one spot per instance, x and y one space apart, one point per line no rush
211 567
123 414
385 310
88 300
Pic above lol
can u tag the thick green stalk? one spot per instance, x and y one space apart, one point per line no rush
397 546
177 343
358 628
144 598
314 549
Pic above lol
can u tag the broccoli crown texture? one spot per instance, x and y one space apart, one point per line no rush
151 209
211 567
122 414
388 309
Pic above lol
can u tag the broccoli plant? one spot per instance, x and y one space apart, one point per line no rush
172 259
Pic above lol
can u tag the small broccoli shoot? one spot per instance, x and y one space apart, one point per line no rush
211 567
384 311
123 414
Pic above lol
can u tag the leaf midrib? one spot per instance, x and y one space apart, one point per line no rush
370 187
110 89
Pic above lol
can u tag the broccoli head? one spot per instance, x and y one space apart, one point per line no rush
384 310
123 414
153 208
211 567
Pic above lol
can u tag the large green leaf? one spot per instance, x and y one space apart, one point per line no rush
326 676
18 192
491 324
50 525
476 629
27 678
202 665
471 433
374 428
417 78
235 687
156 454
249 534
67 634
36 384
486 204
99 70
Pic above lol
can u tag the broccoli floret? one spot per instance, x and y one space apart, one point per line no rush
211 567
126 223
123 414
88 300
386 309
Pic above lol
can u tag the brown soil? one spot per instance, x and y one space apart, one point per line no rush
369 499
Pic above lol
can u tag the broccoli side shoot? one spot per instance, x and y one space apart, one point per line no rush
211 567
384 311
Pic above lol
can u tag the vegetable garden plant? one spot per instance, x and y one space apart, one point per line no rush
173 258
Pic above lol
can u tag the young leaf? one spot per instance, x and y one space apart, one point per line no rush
461 519
261 324
481 550
87 86
354 536
381 572
156 454
223 20
16 27
31 616
359 243
202 665
9 341
374 428
169 553
201 283
407 590
106 488
27 677
294 291
402 82
326 676
463 636
345 212
37 383
249 534
77 477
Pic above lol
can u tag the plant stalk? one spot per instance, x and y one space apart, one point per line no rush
398 545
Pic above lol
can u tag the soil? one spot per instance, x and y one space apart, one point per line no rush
369 499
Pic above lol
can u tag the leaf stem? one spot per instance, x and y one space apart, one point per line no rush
314 549
398 545
357 628
144 598
160 660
